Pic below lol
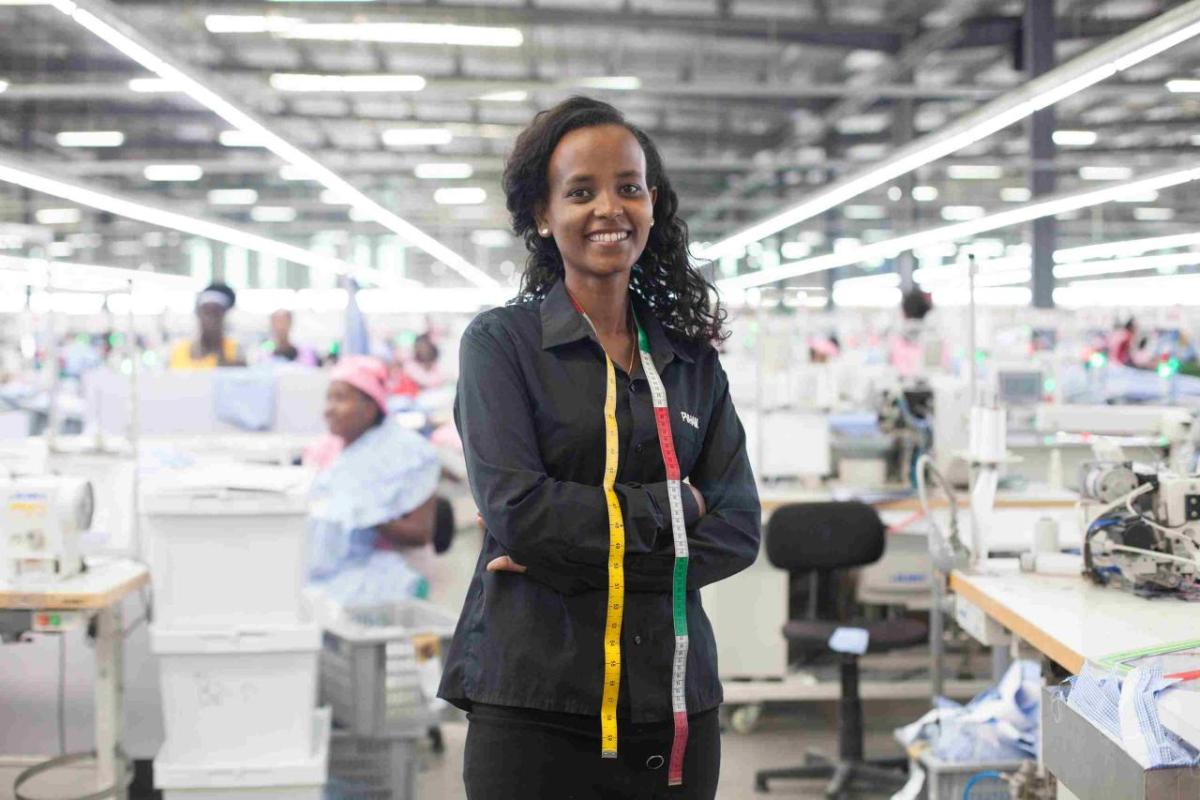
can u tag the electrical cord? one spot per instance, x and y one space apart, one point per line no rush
979 777
945 550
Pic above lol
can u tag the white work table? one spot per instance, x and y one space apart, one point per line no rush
1071 620
97 592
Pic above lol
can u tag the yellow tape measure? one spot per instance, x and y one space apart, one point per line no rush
616 573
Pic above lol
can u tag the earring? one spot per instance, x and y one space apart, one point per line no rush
544 231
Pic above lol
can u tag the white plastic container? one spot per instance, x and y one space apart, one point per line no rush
243 695
301 779
227 544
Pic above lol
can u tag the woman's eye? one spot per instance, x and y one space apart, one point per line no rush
577 193
631 188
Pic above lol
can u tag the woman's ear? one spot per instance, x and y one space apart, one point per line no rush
539 219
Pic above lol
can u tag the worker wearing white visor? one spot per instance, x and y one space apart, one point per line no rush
211 348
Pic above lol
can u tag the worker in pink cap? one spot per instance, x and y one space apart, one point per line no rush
373 503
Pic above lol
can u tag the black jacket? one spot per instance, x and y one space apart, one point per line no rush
530 412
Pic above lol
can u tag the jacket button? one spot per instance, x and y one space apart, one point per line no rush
637 639
632 387
639 447
655 762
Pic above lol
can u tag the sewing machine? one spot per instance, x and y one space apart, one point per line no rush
41 520
1143 528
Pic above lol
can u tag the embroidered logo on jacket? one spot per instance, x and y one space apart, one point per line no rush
690 420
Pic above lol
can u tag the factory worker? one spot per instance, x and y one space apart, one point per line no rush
582 407
212 348
282 347
372 511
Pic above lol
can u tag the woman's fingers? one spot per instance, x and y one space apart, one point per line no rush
504 564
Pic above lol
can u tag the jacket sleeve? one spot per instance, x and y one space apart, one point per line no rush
725 540
555 528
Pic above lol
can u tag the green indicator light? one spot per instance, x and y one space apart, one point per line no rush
1098 359
1049 385
980 356
55 619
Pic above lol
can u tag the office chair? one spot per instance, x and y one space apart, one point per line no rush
819 538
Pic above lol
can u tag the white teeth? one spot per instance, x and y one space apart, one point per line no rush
608 237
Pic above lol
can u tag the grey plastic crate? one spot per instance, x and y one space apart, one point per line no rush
946 781
369 667
365 768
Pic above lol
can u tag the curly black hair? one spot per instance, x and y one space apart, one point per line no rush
663 277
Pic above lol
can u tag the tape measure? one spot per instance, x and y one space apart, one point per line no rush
616 561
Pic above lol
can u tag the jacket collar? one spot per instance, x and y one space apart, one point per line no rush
562 324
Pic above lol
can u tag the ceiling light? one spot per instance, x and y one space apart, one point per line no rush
332 197
616 83
1154 214
273 214
1047 207
443 171
864 212
153 85
975 172
236 138
515 96
491 238
1084 269
1183 86
1139 197
4 86
1075 138
794 250
161 63
416 137
408 33
1105 173
301 82
962 213
232 197
58 216
103 200
1093 66
90 139
925 194
460 196
1127 248
1015 194
248 23
291 172
173 172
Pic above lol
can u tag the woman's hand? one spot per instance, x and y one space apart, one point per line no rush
699 499
503 563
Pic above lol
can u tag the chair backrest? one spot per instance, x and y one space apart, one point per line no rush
443 525
824 536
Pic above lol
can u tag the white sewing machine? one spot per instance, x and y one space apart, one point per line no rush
41 520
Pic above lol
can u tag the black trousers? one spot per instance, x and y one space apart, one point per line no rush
524 754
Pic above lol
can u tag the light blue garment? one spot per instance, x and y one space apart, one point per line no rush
385 474
1000 724
245 397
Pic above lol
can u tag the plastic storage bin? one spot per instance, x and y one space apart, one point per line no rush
244 695
947 781
227 542
298 779
371 666
363 768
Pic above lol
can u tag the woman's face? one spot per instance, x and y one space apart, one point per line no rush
348 412
599 208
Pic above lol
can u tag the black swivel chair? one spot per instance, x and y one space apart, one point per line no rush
819 538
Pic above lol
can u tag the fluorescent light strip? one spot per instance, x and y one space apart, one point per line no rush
173 172
1067 138
890 248
460 196
271 140
416 137
90 139
1082 269
443 171
407 33
232 197
58 216
304 82
1129 247
123 207
236 138
1162 32
39 270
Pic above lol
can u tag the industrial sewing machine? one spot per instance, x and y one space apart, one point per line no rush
41 520
1142 527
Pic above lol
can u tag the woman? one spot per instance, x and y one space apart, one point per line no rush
211 348
373 500
566 649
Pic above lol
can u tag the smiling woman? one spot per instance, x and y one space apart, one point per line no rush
583 654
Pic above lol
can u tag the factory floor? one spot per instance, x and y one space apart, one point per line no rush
779 740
